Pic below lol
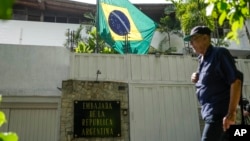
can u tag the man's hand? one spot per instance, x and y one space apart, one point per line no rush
228 120
194 77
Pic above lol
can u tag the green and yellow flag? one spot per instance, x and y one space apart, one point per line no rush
124 27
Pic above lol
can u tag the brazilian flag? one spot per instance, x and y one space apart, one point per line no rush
124 27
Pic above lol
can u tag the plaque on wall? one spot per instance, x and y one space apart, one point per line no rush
97 119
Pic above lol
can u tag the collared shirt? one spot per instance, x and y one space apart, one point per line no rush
217 71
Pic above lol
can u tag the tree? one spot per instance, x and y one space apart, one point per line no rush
79 44
193 13
170 25
6 9
89 44
235 11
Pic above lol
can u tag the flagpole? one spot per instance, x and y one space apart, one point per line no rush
126 43
96 26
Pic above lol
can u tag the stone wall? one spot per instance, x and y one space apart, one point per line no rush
92 91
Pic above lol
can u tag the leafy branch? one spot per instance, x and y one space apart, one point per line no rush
6 136
235 11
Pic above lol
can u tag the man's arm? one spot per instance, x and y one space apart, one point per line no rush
235 92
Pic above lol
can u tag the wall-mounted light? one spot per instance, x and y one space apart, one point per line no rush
97 73
125 112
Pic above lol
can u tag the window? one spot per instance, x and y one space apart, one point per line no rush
74 20
61 19
49 19
19 17
19 14
33 18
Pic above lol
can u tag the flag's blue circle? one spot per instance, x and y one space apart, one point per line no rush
119 23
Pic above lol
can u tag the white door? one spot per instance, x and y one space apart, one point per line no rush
31 122
163 113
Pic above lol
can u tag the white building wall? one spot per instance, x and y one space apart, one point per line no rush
32 70
34 33
53 34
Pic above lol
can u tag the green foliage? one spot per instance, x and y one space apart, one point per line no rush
82 47
6 9
87 44
91 17
169 22
171 25
73 37
192 13
77 36
94 41
9 136
2 118
235 11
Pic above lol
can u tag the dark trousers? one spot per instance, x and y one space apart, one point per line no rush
213 131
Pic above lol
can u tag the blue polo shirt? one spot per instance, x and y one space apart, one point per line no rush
217 72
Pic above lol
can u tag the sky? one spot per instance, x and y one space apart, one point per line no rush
132 1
